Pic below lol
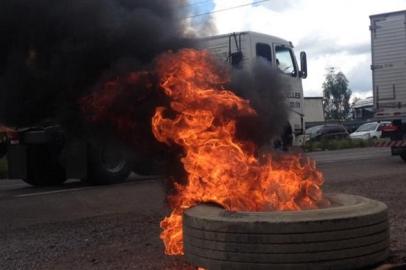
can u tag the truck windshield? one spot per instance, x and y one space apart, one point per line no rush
284 60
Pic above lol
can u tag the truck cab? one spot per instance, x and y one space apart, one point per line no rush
241 49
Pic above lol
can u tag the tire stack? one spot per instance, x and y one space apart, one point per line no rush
351 234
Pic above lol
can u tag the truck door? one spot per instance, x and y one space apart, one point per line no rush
285 61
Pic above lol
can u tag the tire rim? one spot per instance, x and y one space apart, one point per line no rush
112 159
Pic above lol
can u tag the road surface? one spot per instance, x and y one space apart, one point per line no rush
117 227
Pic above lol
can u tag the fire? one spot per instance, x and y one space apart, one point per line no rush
202 119
6 132
106 104
220 167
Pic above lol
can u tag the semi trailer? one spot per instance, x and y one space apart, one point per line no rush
388 49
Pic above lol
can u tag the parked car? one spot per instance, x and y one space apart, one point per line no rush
326 131
371 130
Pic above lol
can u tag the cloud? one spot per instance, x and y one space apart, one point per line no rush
333 33
280 5
319 46
360 77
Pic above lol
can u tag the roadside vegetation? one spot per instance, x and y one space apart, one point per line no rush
336 144
3 168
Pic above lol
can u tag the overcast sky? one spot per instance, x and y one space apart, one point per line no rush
333 33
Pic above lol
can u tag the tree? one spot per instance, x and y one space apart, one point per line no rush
336 95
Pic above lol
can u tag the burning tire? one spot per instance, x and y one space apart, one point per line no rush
351 234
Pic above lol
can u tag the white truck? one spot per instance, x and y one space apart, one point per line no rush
388 48
47 155
240 49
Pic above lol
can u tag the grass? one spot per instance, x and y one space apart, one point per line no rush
3 168
336 144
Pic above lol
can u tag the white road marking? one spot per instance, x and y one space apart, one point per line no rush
51 192
34 194
327 161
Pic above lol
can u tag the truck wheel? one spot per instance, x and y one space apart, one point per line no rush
107 164
43 169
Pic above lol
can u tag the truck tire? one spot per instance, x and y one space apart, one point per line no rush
107 164
43 167
353 234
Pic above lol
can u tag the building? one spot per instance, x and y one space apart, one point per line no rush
363 109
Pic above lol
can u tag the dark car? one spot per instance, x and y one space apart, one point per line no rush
327 131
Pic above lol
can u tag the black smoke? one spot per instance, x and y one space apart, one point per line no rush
54 52
265 88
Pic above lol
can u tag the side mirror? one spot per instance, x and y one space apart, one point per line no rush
303 65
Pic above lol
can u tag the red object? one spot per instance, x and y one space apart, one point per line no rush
390 128
400 143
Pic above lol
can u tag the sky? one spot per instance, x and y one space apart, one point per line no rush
333 33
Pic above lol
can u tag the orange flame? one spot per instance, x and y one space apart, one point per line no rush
220 167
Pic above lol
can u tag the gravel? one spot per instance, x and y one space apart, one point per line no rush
393 194
125 241
130 240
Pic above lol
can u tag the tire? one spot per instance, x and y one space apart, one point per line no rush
107 164
352 234
43 167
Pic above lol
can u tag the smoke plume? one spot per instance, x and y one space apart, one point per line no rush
264 87
54 52
74 63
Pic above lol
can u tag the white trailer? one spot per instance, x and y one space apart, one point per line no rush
388 47
242 48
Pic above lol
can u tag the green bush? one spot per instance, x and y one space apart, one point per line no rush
325 144
3 168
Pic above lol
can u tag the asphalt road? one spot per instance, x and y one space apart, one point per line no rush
117 227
